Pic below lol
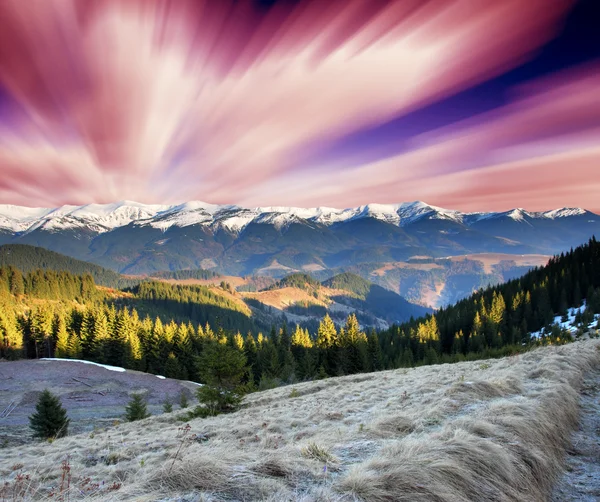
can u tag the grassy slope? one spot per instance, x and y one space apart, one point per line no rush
493 430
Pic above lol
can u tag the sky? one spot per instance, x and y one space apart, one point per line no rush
465 104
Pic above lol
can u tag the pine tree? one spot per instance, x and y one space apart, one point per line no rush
326 334
183 399
136 409
50 418
11 339
375 357
62 337
167 405
17 286
222 368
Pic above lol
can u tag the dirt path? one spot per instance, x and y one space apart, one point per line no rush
581 480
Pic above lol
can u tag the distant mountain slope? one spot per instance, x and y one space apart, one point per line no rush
381 302
349 282
134 238
182 275
30 258
302 299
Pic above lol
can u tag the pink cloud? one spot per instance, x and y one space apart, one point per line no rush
539 151
165 101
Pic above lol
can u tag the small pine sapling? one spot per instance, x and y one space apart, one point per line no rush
50 418
136 409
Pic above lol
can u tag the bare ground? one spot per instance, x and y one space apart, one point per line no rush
581 480
93 396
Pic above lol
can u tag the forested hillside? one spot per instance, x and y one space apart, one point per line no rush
370 297
502 316
30 258
133 329
182 275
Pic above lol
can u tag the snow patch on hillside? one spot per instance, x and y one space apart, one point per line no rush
105 366
569 325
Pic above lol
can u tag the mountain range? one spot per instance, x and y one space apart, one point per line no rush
133 238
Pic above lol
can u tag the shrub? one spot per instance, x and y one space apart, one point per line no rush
167 405
217 400
50 418
136 409
183 400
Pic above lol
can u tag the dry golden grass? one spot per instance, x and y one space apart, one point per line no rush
283 297
449 433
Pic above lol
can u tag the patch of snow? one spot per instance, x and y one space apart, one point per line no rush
569 324
161 377
105 366
517 214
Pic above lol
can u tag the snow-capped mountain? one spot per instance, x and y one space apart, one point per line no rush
138 238
106 217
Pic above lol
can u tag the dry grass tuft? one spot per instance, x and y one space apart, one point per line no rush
317 452
394 426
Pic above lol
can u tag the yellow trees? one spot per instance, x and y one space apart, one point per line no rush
301 338
327 335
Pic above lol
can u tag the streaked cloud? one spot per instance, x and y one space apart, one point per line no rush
224 102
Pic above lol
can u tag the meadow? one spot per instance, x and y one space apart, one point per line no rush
494 430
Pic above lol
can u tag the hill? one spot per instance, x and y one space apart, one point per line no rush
30 258
372 298
466 431
297 280
301 299
93 395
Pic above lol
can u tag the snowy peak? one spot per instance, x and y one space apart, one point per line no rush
411 212
517 214
564 212
100 218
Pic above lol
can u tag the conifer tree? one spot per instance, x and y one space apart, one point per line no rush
222 368
11 339
375 357
61 336
326 334
17 286
136 409
50 418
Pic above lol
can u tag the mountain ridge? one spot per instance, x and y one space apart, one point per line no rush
106 217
